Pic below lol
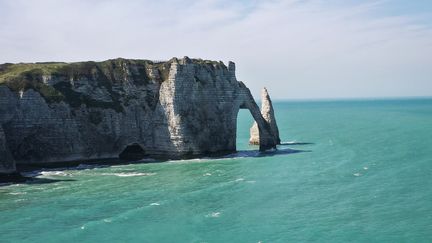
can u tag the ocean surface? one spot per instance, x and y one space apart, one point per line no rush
351 171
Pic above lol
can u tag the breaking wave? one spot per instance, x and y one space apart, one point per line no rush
129 174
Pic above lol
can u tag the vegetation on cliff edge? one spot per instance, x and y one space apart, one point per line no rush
55 81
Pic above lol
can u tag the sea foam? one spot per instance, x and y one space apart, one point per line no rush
213 215
129 174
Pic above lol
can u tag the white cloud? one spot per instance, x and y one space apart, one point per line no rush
295 48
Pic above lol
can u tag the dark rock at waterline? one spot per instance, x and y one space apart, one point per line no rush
14 177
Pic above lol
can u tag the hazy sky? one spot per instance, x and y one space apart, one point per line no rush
297 49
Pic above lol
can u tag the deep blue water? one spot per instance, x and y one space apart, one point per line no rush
366 176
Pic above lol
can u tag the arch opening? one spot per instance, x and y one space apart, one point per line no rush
132 152
261 133
244 122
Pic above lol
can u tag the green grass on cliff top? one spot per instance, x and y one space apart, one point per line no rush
9 71
23 76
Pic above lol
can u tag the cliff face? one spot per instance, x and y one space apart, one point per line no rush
7 164
268 114
51 112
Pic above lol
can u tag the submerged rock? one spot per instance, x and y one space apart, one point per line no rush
59 112
268 114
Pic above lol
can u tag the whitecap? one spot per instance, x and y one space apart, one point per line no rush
82 227
357 174
17 193
117 166
54 173
288 142
107 220
134 174
365 168
207 174
154 204
240 179
214 215
129 174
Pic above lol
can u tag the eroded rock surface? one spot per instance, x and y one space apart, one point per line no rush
7 164
57 112
268 114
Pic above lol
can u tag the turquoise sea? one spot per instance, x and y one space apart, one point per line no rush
355 171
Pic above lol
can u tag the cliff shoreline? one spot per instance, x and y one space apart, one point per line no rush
121 108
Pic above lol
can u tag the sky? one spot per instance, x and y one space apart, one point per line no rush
298 49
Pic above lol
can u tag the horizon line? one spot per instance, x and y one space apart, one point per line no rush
372 98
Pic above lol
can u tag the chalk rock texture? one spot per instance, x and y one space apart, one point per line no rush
58 112
268 114
7 164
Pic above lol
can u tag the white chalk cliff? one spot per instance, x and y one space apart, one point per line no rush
58 112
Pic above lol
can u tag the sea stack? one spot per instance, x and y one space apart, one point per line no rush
267 113
122 108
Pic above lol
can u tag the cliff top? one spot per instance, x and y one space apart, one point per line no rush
56 81
25 71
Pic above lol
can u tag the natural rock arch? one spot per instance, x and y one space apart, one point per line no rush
267 137
124 108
